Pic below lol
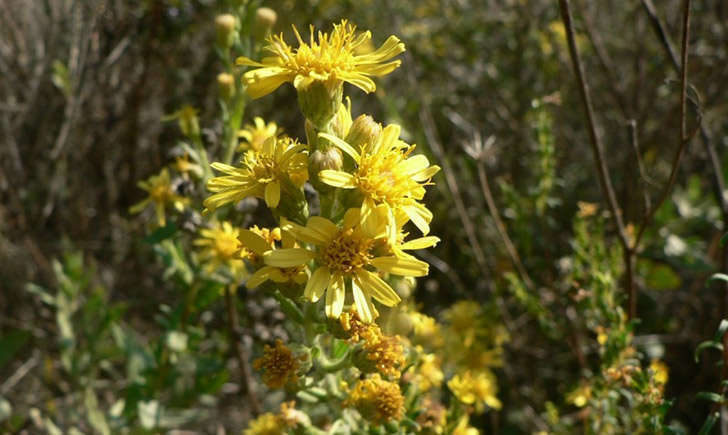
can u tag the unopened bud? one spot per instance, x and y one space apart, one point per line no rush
226 85
265 19
329 159
341 123
364 130
319 101
188 121
225 30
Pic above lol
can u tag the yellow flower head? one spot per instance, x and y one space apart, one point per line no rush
256 134
377 400
256 243
161 194
426 330
220 247
266 424
386 173
279 365
464 320
476 388
183 165
464 428
331 59
659 371
580 396
349 253
429 374
379 352
281 162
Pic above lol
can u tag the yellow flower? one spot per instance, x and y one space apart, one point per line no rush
386 174
280 163
429 373
660 371
256 134
476 388
464 319
463 427
221 247
379 352
580 396
279 365
377 400
347 253
426 330
266 424
161 194
183 165
256 242
331 60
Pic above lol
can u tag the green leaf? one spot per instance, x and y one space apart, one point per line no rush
160 234
709 423
96 417
11 343
713 397
724 239
718 277
710 344
722 328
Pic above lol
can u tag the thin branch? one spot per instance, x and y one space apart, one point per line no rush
240 351
598 152
718 180
493 209
634 141
685 137
597 149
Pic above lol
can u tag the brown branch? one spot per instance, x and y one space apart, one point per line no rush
499 225
685 137
718 181
240 351
598 152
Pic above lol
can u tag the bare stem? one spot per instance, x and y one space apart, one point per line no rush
500 226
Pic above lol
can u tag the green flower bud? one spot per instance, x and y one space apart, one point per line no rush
319 101
226 86
364 130
225 30
265 19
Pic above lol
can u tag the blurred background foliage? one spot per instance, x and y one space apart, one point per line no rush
487 91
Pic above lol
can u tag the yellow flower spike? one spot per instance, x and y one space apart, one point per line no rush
386 174
344 254
281 160
161 194
256 134
330 58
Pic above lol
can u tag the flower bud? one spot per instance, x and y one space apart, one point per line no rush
319 101
225 30
265 19
341 124
226 85
188 121
364 130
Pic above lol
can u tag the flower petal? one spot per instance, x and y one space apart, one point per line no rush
420 243
362 304
340 179
401 266
343 145
287 257
372 284
259 277
273 194
254 242
316 285
335 296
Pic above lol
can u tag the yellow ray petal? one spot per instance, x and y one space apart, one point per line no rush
287 257
370 283
273 194
317 284
254 242
340 179
335 296
401 266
